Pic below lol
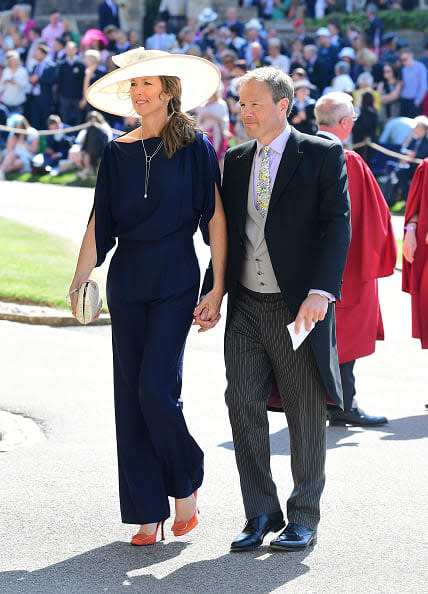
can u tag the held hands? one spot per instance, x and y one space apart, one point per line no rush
207 313
313 309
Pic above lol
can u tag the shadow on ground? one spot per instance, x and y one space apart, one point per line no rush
115 568
406 428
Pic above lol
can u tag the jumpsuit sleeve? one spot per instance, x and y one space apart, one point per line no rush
104 238
211 177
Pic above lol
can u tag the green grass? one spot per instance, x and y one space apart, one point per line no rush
69 178
36 267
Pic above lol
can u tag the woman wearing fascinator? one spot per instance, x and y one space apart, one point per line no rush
155 186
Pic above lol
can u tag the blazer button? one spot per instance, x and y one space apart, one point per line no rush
262 284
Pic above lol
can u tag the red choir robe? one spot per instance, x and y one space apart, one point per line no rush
415 276
372 255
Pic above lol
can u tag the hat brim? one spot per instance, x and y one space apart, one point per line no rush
200 79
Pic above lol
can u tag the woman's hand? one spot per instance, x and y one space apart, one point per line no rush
207 313
410 245
73 301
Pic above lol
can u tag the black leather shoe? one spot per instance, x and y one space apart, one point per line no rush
356 417
294 538
255 530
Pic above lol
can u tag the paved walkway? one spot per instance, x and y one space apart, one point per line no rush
60 531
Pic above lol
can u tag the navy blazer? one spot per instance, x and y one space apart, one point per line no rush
307 231
106 17
46 82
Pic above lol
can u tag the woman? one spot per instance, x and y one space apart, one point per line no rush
93 72
415 252
155 185
89 145
389 90
14 83
213 119
366 125
20 148
365 85
302 114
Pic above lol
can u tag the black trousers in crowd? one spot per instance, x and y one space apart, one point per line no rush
257 345
348 384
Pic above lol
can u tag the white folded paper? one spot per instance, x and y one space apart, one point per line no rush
297 339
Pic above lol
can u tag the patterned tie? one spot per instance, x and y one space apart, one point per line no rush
263 184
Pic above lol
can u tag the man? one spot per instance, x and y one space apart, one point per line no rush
287 208
316 70
389 53
54 30
57 145
414 76
256 56
327 52
35 38
161 40
252 34
372 255
42 79
416 148
108 14
375 29
71 73
232 19
275 58
174 13
300 31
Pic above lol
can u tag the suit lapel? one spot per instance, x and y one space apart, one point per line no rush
243 170
290 159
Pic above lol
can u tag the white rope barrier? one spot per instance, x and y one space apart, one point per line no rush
385 151
373 145
60 130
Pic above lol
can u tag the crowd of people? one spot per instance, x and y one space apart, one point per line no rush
46 72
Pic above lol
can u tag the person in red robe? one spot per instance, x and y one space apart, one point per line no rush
372 255
415 252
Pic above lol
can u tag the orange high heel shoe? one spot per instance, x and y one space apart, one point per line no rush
142 539
181 528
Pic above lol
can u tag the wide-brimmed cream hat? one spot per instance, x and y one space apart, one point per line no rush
199 79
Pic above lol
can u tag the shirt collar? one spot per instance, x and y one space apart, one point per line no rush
278 144
330 135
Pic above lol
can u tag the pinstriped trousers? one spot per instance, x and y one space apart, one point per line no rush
258 347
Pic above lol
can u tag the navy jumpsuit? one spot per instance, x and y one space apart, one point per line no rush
152 290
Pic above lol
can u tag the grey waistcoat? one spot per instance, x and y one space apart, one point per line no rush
257 273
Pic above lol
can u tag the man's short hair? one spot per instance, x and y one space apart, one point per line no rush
332 107
54 119
274 42
312 48
43 48
280 84
405 50
342 67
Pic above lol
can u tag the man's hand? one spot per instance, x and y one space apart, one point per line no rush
313 309
207 313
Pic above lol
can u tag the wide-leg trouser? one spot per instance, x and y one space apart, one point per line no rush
157 456
257 345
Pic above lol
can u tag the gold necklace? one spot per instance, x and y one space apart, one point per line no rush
148 161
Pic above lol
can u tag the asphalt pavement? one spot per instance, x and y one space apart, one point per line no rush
60 529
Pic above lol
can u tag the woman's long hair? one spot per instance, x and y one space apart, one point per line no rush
180 128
